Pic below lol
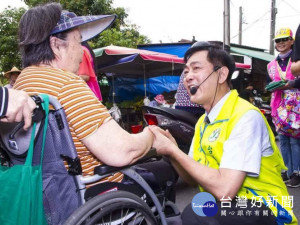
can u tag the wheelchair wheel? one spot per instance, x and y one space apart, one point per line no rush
115 208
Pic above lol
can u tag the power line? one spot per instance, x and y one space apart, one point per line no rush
281 17
256 21
289 16
234 7
290 6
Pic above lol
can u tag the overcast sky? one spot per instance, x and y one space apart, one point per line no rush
172 20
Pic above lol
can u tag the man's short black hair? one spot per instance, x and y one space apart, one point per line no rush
216 56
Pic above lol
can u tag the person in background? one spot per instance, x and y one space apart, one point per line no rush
234 154
248 93
285 106
12 76
183 100
87 70
295 68
16 106
159 100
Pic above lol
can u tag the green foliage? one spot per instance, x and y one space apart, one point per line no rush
88 7
135 104
9 53
120 33
128 37
138 103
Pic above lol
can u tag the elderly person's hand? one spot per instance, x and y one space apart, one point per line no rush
164 142
20 106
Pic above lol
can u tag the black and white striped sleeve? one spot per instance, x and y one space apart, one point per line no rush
3 101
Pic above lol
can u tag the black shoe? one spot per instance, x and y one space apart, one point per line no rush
295 181
285 177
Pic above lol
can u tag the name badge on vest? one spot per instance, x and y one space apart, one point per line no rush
214 135
272 71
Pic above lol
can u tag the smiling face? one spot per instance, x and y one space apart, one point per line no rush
284 45
197 69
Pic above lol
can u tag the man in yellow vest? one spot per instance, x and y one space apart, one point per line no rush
233 156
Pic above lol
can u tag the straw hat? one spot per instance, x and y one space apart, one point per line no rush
13 70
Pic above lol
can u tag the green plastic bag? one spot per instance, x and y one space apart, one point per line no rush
21 187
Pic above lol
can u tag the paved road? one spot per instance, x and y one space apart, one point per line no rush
185 195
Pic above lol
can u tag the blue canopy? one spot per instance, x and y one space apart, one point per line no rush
129 88
175 49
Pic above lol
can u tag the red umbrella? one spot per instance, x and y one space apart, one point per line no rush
137 65
111 59
130 62
110 54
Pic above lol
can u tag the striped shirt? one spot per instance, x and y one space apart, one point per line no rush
3 101
85 113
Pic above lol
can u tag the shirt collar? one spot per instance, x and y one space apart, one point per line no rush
214 112
285 56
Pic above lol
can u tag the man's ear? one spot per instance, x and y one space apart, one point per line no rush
223 74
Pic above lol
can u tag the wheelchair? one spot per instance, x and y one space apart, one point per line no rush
67 200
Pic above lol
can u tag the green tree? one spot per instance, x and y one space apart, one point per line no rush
9 53
127 37
87 7
120 33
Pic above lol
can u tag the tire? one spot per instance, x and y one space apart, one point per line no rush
118 207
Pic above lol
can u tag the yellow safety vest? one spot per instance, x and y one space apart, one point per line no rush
268 187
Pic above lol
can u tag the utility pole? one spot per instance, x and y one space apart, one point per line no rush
272 30
226 34
240 25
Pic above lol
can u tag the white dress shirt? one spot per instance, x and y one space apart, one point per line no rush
247 143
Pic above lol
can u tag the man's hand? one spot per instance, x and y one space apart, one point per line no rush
164 142
20 106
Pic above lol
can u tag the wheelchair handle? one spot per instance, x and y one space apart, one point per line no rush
37 115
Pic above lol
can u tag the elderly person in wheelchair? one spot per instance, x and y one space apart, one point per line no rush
50 44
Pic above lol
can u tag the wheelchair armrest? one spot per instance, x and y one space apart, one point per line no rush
106 169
